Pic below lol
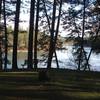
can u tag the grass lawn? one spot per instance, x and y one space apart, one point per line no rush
64 85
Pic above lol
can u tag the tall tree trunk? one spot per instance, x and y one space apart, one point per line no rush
82 39
0 36
57 63
6 45
87 66
31 31
55 37
57 30
15 40
48 21
52 36
36 33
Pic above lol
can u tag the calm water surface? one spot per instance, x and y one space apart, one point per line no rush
65 57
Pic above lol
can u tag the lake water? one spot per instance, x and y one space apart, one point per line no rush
65 57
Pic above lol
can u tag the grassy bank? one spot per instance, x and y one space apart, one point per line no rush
64 85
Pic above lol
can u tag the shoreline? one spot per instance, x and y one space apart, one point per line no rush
18 50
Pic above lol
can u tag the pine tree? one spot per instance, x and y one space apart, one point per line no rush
0 36
36 34
15 39
31 31
6 40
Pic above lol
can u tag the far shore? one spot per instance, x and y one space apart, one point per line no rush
21 50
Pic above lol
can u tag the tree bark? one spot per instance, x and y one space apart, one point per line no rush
48 21
0 36
52 36
6 45
36 34
31 31
56 33
15 40
82 39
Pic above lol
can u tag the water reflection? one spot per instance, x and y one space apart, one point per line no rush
65 58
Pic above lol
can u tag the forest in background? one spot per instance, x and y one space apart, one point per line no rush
81 20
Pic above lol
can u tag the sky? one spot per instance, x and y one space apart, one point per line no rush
24 17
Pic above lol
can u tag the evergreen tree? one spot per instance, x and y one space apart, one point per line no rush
31 31
0 35
15 39
52 36
6 40
36 34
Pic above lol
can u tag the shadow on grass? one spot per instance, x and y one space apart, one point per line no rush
63 86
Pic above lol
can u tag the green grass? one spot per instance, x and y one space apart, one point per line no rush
64 85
